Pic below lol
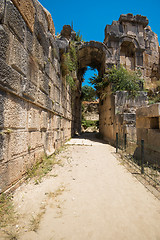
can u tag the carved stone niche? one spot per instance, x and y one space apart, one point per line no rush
127 55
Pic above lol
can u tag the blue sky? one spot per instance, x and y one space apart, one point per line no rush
91 17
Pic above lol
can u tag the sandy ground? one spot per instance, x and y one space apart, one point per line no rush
91 196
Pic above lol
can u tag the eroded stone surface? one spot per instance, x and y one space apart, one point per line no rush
27 10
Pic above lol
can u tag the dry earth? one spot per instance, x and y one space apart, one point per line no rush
89 196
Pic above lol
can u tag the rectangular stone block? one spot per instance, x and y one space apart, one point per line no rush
37 52
149 111
4 40
28 89
15 20
35 140
44 120
49 143
18 143
154 140
50 22
143 122
142 133
9 78
32 71
44 82
41 15
18 57
33 118
41 36
27 10
50 71
57 94
44 100
14 113
29 40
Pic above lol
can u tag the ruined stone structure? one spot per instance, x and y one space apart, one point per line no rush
133 44
38 111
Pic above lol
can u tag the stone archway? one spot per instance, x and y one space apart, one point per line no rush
95 55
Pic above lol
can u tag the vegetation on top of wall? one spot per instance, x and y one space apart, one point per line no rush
88 93
120 79
154 95
78 37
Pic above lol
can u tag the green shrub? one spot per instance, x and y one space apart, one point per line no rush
88 93
89 123
120 79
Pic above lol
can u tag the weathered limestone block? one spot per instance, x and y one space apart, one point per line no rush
57 107
18 143
10 172
154 140
143 123
14 20
37 52
35 140
28 89
18 57
33 118
9 78
44 120
4 40
42 36
2 7
44 100
29 40
57 95
49 143
41 15
32 73
50 71
27 10
50 121
14 113
56 122
50 22
142 133
43 82
150 111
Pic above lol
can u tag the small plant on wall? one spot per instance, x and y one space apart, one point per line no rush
69 64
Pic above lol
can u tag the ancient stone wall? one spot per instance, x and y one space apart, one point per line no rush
148 129
35 102
118 115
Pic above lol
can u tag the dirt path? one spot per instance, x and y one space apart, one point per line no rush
90 197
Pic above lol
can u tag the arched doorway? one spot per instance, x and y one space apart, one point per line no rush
90 54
